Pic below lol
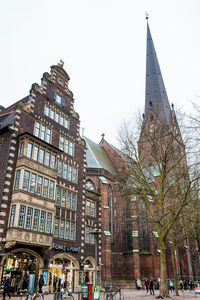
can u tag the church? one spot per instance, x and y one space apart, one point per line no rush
61 210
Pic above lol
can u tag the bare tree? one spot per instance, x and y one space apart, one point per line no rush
156 170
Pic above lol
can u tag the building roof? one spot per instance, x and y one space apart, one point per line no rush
97 157
155 95
6 119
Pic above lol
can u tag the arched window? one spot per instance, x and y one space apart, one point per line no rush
110 208
144 245
90 186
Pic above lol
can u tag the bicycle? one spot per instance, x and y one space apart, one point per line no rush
25 293
113 294
64 293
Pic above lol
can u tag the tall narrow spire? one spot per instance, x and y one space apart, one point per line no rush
156 99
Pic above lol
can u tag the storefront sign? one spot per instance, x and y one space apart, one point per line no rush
65 248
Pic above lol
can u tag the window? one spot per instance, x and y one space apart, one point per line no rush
42 221
72 232
56 229
17 178
90 186
26 181
36 219
90 208
67 230
21 219
67 172
143 228
42 132
89 238
47 159
33 183
49 222
62 229
66 146
12 215
21 151
41 156
51 189
57 117
39 185
29 218
35 153
58 197
59 99
45 187
53 161
66 199
29 150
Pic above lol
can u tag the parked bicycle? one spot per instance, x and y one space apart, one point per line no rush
29 296
62 294
111 294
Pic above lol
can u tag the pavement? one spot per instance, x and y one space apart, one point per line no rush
132 294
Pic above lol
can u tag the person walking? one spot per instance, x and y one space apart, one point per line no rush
41 283
151 287
146 283
171 285
6 284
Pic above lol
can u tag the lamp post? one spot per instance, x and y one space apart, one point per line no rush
96 234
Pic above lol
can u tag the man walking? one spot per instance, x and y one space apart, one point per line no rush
6 284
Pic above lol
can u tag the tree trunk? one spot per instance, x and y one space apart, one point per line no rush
175 270
163 271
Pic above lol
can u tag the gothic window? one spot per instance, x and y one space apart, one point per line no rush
90 186
143 227
110 208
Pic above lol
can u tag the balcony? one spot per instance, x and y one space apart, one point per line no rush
20 236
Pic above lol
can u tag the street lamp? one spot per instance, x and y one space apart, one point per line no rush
96 234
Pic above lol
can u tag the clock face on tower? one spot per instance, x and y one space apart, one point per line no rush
90 186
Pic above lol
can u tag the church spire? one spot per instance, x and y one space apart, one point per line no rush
156 99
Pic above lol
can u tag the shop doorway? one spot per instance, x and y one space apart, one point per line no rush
61 274
22 268
88 272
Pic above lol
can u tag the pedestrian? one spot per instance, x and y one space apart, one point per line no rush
146 283
41 283
171 285
6 284
190 285
138 284
151 287
181 284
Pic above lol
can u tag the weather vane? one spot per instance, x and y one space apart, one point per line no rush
147 15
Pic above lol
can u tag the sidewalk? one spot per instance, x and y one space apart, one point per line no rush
132 294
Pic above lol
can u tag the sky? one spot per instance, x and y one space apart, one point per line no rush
103 46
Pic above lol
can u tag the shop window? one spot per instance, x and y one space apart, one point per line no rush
12 215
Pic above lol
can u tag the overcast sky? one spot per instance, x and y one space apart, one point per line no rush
103 45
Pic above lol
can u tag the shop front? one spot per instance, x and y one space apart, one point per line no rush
63 272
23 268
88 271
